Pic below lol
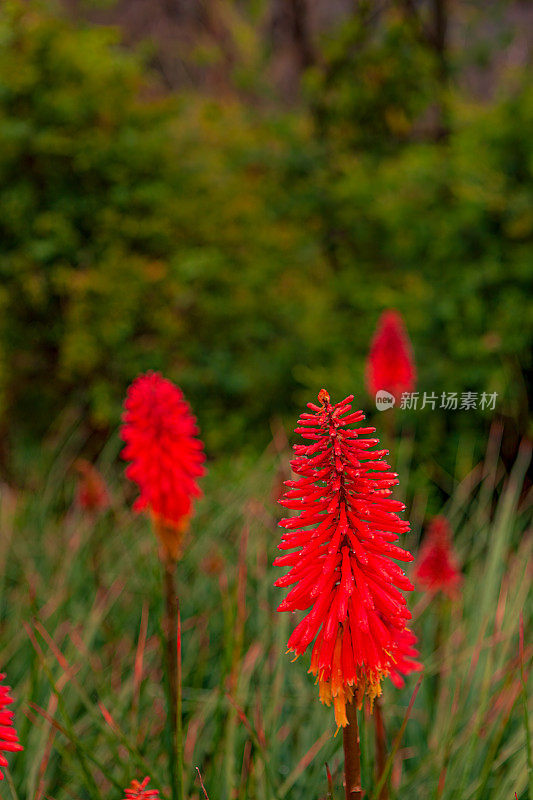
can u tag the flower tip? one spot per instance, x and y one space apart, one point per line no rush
323 397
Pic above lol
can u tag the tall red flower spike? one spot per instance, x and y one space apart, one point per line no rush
92 492
166 456
343 542
436 567
9 740
138 791
390 364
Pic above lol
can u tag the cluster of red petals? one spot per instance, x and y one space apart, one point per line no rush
390 364
405 658
343 542
92 492
163 447
437 567
138 791
9 741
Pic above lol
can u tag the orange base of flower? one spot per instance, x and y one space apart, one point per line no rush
341 694
338 691
171 536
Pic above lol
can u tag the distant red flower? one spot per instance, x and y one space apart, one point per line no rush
436 565
92 491
137 791
166 455
406 658
9 741
390 364
343 541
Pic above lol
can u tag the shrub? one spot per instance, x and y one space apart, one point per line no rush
247 254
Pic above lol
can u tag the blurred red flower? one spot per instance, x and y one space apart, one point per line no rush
166 455
92 492
436 566
343 542
9 740
390 365
137 791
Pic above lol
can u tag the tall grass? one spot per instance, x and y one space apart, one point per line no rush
80 641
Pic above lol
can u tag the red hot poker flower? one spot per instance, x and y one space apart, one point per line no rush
341 569
166 455
390 364
92 491
137 791
437 566
9 740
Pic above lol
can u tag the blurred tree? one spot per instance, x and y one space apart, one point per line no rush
247 253
263 47
135 233
83 166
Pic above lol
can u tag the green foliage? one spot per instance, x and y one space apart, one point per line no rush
444 233
439 229
246 254
135 235
375 80
83 191
85 588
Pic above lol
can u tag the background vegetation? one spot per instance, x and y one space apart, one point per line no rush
247 248
80 619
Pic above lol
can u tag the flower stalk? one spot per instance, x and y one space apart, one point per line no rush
352 755
179 715
172 633
380 746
